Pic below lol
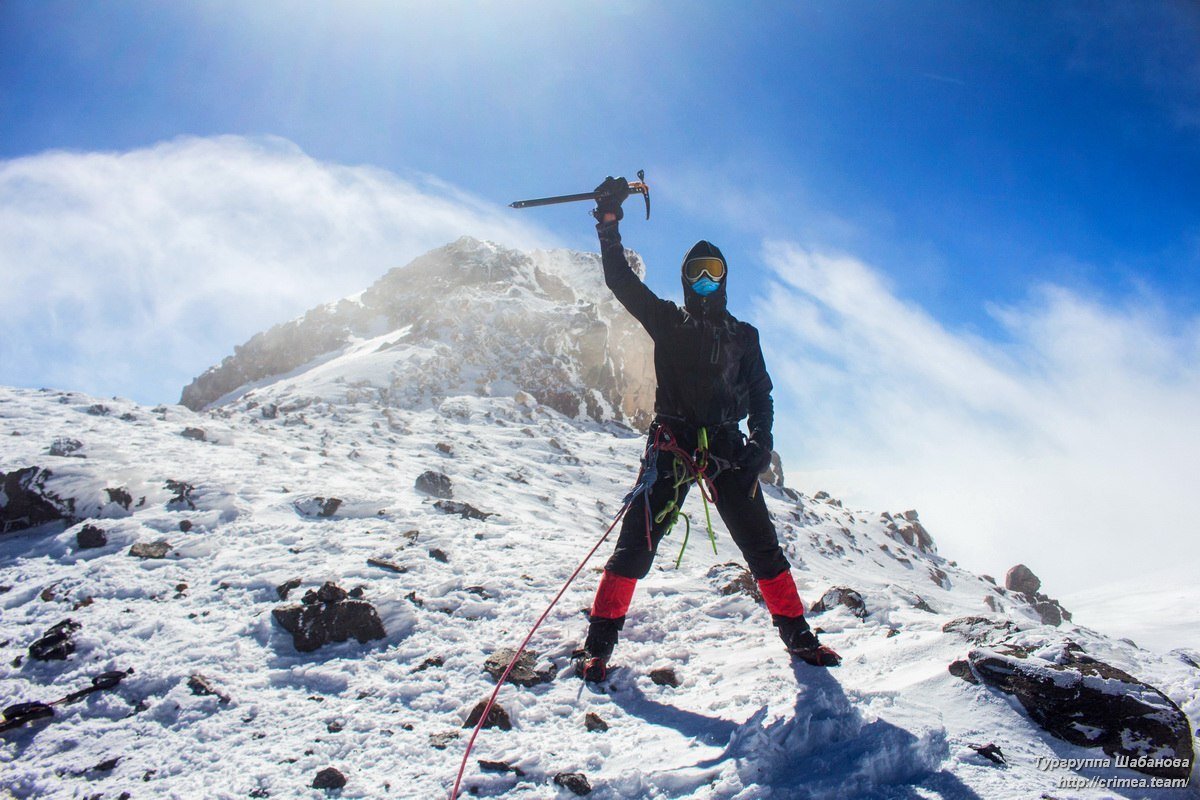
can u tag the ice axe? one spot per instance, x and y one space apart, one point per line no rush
636 187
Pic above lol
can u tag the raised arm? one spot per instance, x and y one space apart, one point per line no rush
645 306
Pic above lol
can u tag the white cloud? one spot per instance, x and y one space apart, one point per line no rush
133 272
1071 446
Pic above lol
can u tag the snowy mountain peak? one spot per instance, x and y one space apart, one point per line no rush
471 317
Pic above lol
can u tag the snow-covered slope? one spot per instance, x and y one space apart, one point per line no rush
178 542
744 722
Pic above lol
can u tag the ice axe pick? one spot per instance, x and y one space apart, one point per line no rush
636 187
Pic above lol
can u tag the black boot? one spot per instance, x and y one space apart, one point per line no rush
598 647
802 643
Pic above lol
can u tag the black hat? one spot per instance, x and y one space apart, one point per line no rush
706 305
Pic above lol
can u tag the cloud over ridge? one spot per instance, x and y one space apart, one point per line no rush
142 268
1069 444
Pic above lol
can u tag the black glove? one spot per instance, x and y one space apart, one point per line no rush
754 458
609 196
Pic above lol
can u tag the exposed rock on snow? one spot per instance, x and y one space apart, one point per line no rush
594 722
158 549
26 502
840 596
464 510
981 630
65 446
203 687
733 578
89 537
665 676
1021 579
328 615
1091 704
329 778
524 672
577 782
435 484
57 643
497 717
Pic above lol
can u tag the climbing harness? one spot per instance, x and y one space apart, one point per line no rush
689 468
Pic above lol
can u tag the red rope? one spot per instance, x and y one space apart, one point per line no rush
495 692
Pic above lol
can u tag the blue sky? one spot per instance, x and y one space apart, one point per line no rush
1008 193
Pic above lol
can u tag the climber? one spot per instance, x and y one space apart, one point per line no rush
710 373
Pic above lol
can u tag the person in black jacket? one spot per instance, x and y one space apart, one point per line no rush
711 375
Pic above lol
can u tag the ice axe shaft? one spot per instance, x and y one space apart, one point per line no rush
636 187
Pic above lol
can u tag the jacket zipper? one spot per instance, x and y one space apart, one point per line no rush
716 345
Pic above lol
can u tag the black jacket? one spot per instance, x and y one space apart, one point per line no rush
709 365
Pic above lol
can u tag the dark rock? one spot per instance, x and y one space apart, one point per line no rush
108 765
432 661
989 751
500 766
185 525
57 643
157 549
665 676
329 778
980 630
65 447
1049 612
735 579
388 565
773 474
989 579
443 447
441 741
892 632
335 726
195 433
182 495
28 503
962 669
285 588
840 596
1089 703
98 410
577 782
357 593
90 537
120 496
204 687
435 484
523 672
270 411
465 510
327 616
594 723
439 555
496 718
1021 579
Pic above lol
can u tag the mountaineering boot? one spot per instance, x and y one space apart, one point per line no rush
787 613
598 647
802 643
607 618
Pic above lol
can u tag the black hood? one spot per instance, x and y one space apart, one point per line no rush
714 304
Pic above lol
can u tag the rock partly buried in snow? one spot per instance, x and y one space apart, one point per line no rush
27 502
90 537
577 782
157 549
524 672
497 717
665 676
1021 579
841 596
57 643
980 630
198 434
962 669
464 510
204 687
594 723
328 615
733 578
1093 704
323 507
329 778
434 484
65 447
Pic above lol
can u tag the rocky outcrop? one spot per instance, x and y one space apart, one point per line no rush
1089 703
329 615
1021 579
1026 586
523 673
26 502
840 596
484 319
907 528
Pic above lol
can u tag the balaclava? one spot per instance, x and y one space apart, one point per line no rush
698 305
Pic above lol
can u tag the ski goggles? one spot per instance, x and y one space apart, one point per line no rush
696 268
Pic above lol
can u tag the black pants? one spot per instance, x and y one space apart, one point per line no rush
746 517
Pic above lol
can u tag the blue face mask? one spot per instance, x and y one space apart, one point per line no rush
705 286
